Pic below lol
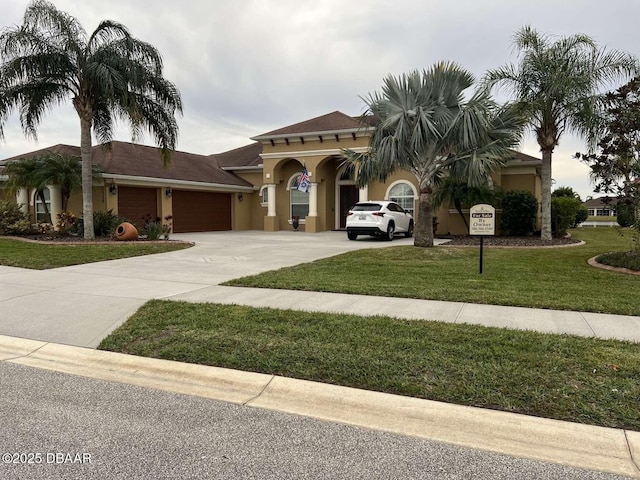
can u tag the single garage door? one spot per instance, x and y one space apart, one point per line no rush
134 203
201 211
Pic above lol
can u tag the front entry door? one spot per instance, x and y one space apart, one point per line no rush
348 198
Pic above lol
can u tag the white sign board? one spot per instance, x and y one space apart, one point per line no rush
482 220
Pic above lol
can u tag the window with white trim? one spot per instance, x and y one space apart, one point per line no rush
298 201
264 195
403 195
41 212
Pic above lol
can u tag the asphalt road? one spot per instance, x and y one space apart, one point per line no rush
77 428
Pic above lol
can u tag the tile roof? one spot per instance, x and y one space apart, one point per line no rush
247 156
523 157
331 122
143 161
605 201
61 149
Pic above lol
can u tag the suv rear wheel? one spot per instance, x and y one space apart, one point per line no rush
352 235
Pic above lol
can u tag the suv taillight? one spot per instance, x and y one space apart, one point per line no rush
378 214
349 213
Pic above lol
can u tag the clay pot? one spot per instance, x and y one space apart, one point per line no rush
126 231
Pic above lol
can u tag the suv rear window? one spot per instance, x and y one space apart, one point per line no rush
366 207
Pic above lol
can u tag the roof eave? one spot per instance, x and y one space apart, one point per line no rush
282 136
174 182
244 168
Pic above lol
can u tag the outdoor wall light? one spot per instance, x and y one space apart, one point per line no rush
240 197
113 189
168 192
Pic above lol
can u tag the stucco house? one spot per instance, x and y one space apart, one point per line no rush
601 206
253 187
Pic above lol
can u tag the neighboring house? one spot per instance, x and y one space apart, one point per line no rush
254 187
601 206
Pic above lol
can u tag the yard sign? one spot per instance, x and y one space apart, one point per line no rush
482 221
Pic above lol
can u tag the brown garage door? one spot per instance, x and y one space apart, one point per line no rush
134 203
201 211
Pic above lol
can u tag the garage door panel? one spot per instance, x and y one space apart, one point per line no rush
201 211
134 203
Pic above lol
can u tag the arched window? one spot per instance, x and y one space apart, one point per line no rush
404 195
264 195
41 209
299 201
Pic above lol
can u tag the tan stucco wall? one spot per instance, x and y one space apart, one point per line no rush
75 201
518 182
248 214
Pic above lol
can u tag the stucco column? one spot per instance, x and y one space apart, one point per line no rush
313 200
271 200
55 208
22 199
363 194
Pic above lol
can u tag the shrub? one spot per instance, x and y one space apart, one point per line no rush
519 210
626 213
563 214
630 260
12 219
154 228
105 223
66 222
581 215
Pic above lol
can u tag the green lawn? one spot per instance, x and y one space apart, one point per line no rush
556 278
16 253
569 378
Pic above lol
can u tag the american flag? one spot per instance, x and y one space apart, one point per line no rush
304 182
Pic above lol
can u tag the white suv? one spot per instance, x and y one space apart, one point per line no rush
378 218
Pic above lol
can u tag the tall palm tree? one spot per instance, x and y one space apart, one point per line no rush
557 83
108 74
426 126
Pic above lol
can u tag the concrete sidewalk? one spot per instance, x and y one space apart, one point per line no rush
584 324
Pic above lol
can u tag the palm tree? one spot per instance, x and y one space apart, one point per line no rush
64 171
47 169
557 85
109 74
457 193
26 173
426 126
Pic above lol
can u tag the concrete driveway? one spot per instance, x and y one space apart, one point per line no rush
80 305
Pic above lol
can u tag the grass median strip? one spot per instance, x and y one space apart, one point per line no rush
555 278
40 256
555 376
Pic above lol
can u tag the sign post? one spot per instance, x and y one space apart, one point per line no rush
482 222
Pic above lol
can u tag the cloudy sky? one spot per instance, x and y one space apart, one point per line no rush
245 67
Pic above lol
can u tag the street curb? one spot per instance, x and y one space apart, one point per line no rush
577 445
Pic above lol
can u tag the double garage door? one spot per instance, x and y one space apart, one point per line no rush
192 211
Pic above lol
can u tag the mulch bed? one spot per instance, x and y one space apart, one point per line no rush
75 240
469 241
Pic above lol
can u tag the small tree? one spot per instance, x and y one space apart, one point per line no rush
581 213
564 211
519 210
